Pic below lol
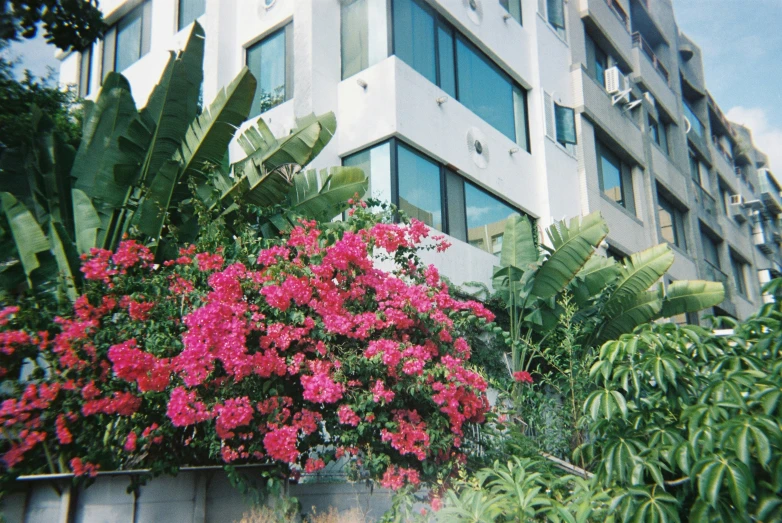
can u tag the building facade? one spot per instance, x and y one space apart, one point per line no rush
463 111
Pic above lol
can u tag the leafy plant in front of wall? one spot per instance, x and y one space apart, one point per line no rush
692 416
136 170
564 301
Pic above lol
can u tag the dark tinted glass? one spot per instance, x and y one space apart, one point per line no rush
419 187
414 37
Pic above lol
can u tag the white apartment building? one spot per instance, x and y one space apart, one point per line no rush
462 111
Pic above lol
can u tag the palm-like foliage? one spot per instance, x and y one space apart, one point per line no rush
134 171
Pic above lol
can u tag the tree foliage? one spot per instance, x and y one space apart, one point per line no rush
68 24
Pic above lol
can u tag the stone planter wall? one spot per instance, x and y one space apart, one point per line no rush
190 497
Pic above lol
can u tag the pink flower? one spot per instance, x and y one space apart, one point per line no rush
347 416
320 388
235 412
184 409
280 444
130 442
523 376
313 465
82 468
380 393
209 262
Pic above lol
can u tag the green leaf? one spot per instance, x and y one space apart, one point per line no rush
597 274
640 272
86 222
323 194
29 238
574 245
635 311
152 210
691 296
518 243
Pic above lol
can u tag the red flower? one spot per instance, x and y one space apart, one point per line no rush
523 376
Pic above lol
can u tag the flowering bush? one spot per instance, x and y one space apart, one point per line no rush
292 354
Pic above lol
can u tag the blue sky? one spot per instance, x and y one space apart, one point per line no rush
741 42
742 48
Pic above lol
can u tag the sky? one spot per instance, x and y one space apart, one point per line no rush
741 42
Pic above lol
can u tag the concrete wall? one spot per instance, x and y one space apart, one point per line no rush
190 497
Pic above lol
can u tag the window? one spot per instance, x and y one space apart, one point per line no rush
364 33
553 12
270 61
711 251
597 61
739 278
513 7
671 223
699 171
419 187
658 133
560 122
376 164
189 10
438 196
128 40
695 122
724 199
615 178
432 47
85 72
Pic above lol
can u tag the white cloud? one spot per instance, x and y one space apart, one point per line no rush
767 137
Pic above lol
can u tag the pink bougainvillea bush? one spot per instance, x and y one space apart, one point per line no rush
294 354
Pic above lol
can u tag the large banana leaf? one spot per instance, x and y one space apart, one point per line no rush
257 138
99 151
598 273
640 272
634 311
518 243
691 296
322 195
574 245
259 179
86 222
29 238
206 140
68 262
173 105
209 135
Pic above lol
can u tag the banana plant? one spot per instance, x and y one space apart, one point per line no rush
134 171
612 296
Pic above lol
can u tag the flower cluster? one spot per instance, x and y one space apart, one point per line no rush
297 354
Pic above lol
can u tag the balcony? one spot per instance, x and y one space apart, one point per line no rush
609 24
770 192
722 159
712 273
639 42
764 238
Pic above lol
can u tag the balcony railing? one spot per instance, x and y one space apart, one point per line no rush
721 149
712 273
620 13
706 200
638 41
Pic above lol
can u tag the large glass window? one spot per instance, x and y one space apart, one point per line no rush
513 7
364 32
738 275
431 46
658 133
189 10
270 61
414 36
486 217
133 35
418 181
671 223
433 193
601 64
695 122
615 178
698 171
711 251
376 164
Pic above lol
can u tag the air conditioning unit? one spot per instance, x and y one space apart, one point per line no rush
736 199
616 82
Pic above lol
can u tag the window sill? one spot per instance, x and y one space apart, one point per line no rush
679 250
621 208
659 148
564 149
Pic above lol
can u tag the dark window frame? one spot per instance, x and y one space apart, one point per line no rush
439 21
625 178
739 273
444 172
287 31
510 11
111 38
85 83
678 220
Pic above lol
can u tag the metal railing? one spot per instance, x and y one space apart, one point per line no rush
707 201
620 13
638 41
